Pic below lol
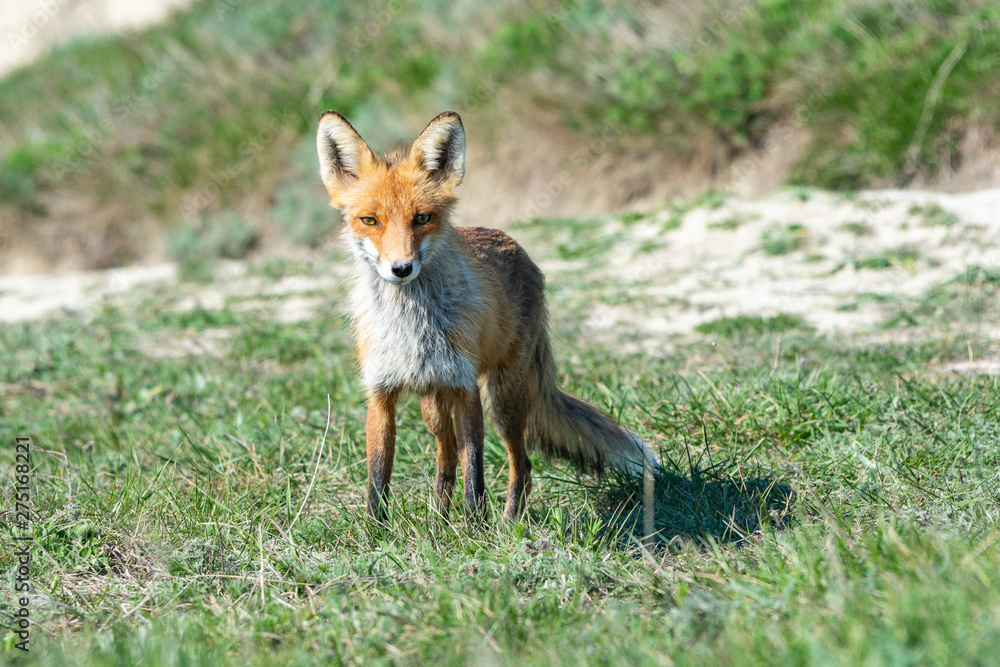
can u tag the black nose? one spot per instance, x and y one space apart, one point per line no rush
402 269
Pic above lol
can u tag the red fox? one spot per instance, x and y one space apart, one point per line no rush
453 314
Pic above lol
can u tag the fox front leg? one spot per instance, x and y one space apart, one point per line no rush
469 427
380 449
436 409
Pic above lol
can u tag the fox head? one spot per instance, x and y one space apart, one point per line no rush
395 207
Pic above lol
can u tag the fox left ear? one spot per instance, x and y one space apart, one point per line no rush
440 149
343 154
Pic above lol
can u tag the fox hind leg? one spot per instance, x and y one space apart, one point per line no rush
519 485
509 408
436 410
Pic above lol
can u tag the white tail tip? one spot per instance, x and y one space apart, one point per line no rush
648 497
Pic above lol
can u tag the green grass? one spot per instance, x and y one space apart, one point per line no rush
711 199
726 81
970 299
866 298
904 256
196 246
633 217
650 245
728 224
675 221
783 239
979 275
821 500
573 238
933 216
858 228
800 193
751 324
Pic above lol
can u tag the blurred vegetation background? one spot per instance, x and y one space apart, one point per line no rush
195 136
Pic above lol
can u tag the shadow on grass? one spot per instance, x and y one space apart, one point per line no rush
718 503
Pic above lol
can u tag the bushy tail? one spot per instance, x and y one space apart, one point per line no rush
565 426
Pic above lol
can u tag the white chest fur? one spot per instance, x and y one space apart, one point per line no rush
407 331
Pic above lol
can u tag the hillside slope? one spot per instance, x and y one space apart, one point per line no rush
110 147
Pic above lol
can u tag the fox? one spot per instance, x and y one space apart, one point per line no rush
455 315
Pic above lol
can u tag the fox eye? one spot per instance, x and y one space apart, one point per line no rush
369 221
422 218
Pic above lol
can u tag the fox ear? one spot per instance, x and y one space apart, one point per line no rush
343 154
440 149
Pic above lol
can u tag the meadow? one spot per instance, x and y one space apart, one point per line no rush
198 491
817 370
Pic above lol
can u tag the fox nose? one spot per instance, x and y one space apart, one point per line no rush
402 269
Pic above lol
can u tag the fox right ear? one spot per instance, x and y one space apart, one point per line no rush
440 149
343 154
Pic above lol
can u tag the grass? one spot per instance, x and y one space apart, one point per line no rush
197 246
711 199
821 500
783 239
858 228
574 239
751 324
632 217
800 193
650 245
673 222
933 215
727 79
866 298
979 275
969 299
904 256
730 223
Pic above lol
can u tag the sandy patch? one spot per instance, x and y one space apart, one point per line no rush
30 29
207 343
27 297
978 367
848 262
848 258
